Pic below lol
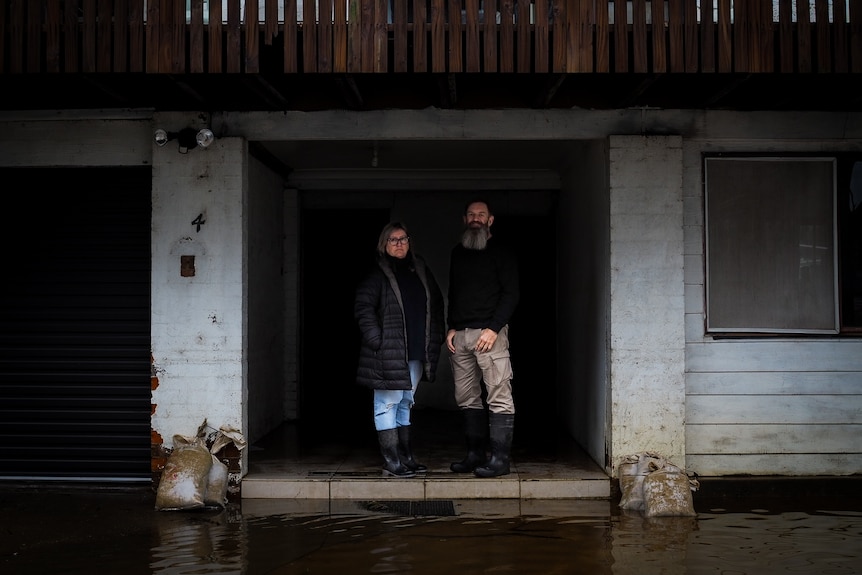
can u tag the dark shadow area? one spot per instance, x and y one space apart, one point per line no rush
337 246
75 347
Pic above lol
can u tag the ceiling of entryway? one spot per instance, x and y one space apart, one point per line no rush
420 154
423 163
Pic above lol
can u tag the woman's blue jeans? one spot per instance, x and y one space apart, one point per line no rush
392 406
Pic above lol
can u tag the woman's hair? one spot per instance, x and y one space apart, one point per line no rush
386 232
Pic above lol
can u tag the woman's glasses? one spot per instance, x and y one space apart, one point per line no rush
398 241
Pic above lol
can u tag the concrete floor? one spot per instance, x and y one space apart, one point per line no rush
297 463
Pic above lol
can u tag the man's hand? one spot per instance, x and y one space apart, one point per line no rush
450 335
486 340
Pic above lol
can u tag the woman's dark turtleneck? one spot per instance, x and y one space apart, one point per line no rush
414 299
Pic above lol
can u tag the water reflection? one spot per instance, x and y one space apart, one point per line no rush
759 542
110 534
823 542
202 544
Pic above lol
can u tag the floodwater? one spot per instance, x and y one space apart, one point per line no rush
77 531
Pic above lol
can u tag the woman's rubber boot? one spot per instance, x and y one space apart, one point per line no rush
476 430
502 425
392 466
406 451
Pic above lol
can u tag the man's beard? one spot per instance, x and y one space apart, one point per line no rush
475 238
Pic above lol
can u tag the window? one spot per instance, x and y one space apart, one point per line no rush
784 244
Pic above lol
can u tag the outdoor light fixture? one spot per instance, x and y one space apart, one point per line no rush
161 137
204 137
186 138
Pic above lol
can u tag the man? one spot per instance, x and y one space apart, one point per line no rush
483 293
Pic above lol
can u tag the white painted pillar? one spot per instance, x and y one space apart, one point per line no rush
647 335
199 289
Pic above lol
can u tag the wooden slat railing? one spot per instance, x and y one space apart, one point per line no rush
419 36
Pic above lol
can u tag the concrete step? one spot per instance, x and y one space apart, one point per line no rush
296 464
429 487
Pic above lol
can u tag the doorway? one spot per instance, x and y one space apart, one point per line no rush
337 245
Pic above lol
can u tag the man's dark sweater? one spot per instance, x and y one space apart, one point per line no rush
483 287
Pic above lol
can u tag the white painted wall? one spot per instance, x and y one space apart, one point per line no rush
583 299
764 407
264 224
199 333
647 353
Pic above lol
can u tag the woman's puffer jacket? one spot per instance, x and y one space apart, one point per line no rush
379 313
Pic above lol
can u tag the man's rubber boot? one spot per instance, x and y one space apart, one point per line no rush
405 451
502 425
392 466
476 430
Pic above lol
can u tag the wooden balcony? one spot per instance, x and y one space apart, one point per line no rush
292 38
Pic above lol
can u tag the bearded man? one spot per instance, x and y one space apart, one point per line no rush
483 294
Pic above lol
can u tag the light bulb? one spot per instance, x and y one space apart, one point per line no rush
204 137
161 137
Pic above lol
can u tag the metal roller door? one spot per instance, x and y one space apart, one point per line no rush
75 325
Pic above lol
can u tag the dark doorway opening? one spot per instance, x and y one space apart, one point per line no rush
533 329
337 246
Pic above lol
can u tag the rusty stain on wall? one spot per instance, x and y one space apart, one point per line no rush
187 266
158 452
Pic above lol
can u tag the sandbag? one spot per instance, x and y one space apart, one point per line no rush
217 482
652 484
667 493
633 470
184 479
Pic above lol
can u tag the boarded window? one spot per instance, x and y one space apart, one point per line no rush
771 245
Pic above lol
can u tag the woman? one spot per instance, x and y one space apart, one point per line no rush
399 309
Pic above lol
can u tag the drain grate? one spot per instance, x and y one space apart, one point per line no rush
432 508
343 474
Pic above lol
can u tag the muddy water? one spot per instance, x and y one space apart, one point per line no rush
120 533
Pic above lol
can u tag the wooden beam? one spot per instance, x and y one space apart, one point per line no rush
196 37
399 37
639 36
621 38
325 17
340 36
659 39
603 38
215 63
471 36
453 38
234 37
490 43
438 35
707 38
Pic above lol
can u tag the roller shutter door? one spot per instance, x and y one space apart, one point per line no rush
75 325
